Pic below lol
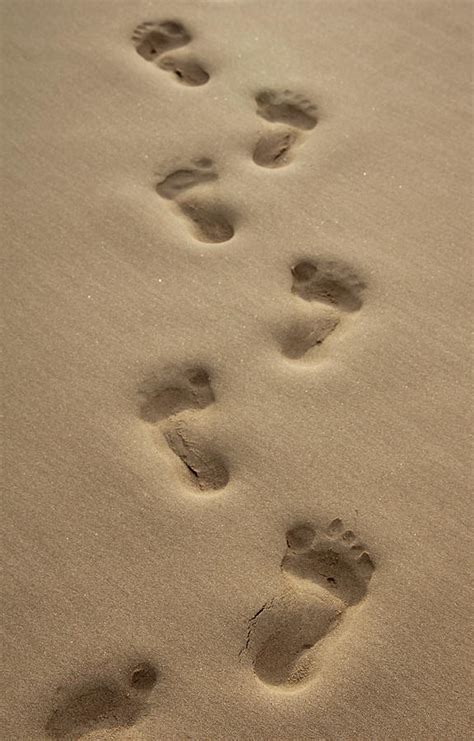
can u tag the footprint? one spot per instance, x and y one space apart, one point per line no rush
303 335
154 39
205 469
328 281
210 223
275 148
181 180
186 71
287 108
165 401
326 573
182 389
103 705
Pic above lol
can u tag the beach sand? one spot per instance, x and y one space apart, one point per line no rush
236 392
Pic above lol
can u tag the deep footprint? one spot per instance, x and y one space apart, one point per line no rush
327 573
302 336
328 281
186 71
211 224
273 149
182 389
287 108
205 470
151 39
188 177
103 705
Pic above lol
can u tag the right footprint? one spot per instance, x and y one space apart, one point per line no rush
335 288
153 39
327 573
274 148
210 222
167 405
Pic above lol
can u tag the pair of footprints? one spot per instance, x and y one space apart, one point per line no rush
324 574
211 222
169 403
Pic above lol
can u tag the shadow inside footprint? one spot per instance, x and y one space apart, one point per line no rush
327 573
206 470
188 389
328 281
153 39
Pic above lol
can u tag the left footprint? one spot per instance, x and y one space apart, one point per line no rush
154 39
97 706
169 402
210 222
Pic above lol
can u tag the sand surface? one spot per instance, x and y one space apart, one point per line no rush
237 282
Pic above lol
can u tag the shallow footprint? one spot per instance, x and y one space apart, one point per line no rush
329 281
102 705
303 335
273 149
181 180
205 468
151 39
186 71
287 108
211 224
183 389
328 572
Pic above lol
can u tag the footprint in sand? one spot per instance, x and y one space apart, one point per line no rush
168 404
97 706
152 40
335 288
274 148
210 221
324 575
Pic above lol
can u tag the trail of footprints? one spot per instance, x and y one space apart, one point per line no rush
324 572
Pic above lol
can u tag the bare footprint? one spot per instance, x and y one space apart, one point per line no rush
176 391
152 39
273 149
328 281
202 171
186 71
103 705
287 108
204 468
211 223
326 574
301 336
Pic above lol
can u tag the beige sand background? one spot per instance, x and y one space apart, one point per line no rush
110 556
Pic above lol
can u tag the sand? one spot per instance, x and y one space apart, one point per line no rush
237 284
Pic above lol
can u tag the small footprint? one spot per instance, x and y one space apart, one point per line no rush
169 402
210 223
325 574
287 108
152 39
186 71
275 148
328 281
305 334
103 705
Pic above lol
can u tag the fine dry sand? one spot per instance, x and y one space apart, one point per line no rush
236 392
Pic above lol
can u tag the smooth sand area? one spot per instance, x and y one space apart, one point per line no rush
237 280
